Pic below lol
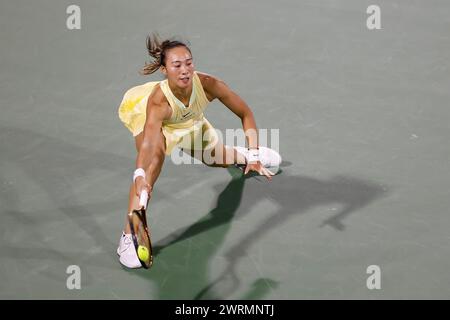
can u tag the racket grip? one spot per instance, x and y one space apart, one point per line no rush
143 199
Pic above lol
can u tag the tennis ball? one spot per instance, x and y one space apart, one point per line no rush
143 253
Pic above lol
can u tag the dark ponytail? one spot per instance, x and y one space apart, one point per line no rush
157 49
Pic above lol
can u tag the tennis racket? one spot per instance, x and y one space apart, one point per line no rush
139 232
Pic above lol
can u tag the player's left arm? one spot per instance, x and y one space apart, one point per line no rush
216 88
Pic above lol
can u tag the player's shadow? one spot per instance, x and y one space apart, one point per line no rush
291 196
183 257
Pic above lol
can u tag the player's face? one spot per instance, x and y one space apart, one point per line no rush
179 67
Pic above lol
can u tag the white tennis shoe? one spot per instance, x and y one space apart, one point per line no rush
269 158
127 253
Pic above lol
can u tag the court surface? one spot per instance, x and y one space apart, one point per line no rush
364 128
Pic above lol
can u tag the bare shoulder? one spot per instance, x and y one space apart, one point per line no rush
211 84
206 79
157 104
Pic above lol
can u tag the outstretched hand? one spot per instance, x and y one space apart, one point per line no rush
258 167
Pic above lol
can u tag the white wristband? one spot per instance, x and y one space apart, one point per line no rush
253 155
139 172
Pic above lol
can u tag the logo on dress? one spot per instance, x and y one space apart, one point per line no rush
184 116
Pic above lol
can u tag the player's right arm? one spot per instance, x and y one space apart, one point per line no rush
152 150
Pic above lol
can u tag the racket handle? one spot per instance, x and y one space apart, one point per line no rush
143 199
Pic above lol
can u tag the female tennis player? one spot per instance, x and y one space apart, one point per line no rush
169 113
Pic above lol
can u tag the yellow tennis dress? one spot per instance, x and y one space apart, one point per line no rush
187 127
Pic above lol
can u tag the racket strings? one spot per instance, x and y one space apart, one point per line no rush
141 235
140 232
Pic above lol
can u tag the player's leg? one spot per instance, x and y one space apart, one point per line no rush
223 156
208 148
220 156
212 151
